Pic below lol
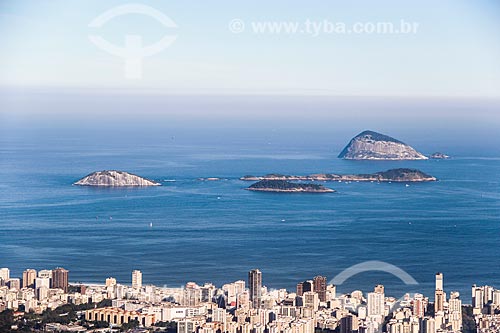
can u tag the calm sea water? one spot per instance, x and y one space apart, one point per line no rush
216 231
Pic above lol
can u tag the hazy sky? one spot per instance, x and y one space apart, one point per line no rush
454 52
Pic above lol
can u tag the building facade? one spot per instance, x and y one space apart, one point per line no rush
255 287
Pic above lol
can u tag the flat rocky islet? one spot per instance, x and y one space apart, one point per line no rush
114 178
287 187
392 175
439 156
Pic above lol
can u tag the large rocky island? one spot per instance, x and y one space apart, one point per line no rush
288 187
393 175
114 178
370 145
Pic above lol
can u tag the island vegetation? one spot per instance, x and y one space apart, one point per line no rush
286 186
392 175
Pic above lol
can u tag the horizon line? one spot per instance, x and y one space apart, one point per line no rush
158 91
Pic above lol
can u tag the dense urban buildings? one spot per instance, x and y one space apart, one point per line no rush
234 308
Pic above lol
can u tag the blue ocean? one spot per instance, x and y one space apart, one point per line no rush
215 231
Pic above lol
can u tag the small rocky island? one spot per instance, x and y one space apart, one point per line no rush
393 175
370 145
114 178
287 187
439 156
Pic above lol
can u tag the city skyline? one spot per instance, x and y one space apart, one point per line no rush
58 278
187 305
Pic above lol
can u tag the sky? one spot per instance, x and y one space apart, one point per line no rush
454 52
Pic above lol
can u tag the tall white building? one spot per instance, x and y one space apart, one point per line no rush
496 297
230 291
136 279
14 284
239 286
376 304
42 293
243 300
439 281
192 295
428 325
477 297
488 294
455 311
207 292
311 300
120 291
233 290
331 291
42 282
219 315
4 274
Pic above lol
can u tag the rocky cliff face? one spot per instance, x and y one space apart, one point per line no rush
114 178
370 145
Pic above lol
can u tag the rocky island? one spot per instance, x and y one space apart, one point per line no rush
393 175
288 187
113 178
439 156
370 145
